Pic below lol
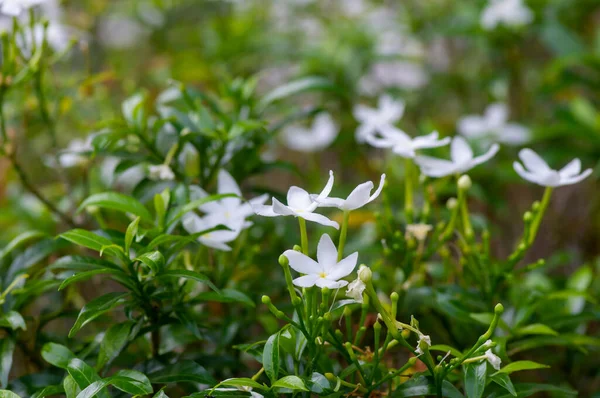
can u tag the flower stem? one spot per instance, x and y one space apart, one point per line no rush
408 191
303 235
535 225
343 233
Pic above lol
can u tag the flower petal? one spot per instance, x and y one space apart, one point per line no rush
434 167
430 141
576 179
298 198
320 219
214 244
322 282
344 267
302 263
514 134
496 116
486 156
533 162
226 183
460 151
281 209
571 169
265 211
472 126
306 280
379 189
526 175
326 253
331 202
359 196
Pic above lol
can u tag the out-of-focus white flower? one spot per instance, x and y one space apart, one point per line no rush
353 8
372 120
493 126
57 35
360 196
300 204
536 170
355 290
462 159
511 13
327 271
424 342
321 134
406 75
120 32
402 144
193 224
75 154
15 7
418 231
493 359
160 172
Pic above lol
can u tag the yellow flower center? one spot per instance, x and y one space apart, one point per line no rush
323 275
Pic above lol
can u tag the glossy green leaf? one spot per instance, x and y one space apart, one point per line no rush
57 355
132 382
115 339
503 380
130 234
423 386
243 382
521 365
182 371
21 240
83 374
119 202
70 386
270 357
154 260
225 296
83 276
474 379
49 391
8 394
536 328
187 274
87 239
309 83
13 320
7 348
292 382
97 307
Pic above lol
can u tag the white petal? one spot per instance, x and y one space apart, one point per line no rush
214 244
226 183
514 134
344 267
460 151
391 109
320 219
434 167
571 169
322 282
331 202
576 179
486 156
306 280
326 253
192 223
526 175
472 126
359 196
302 263
265 211
378 142
379 188
533 162
496 115
298 198
363 113
430 141
281 209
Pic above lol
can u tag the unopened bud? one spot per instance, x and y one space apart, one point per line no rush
452 203
464 183
365 274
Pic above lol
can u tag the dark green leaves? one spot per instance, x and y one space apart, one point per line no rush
7 347
474 377
57 355
119 202
129 381
521 365
310 83
154 260
182 371
294 383
97 307
115 339
187 274
271 357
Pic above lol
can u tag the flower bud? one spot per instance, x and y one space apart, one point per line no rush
284 261
452 203
365 274
266 300
527 217
464 183
499 309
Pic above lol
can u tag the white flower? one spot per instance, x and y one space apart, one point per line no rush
75 153
388 112
15 7
536 170
360 196
321 134
424 342
407 75
418 231
355 290
120 32
231 211
299 204
402 144
160 172
494 126
193 224
493 359
511 13
462 159
327 271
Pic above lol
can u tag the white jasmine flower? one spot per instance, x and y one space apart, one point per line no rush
321 134
536 170
360 196
407 75
15 7
300 204
424 342
231 211
193 223
161 172
494 126
511 13
493 359
75 154
462 159
402 144
418 231
488 344
327 271
355 290
120 32
371 120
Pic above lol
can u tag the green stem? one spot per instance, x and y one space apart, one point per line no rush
343 233
303 235
535 225
408 191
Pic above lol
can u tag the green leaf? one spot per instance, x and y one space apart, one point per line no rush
536 328
20 240
49 391
292 382
117 201
529 389
225 296
154 260
187 274
134 112
83 276
160 394
82 373
71 387
57 355
521 365
270 357
194 205
8 394
97 307
7 348
115 339
243 382
132 382
503 380
475 379
422 386
309 83
180 372
85 238
132 230
575 340
445 348
13 320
